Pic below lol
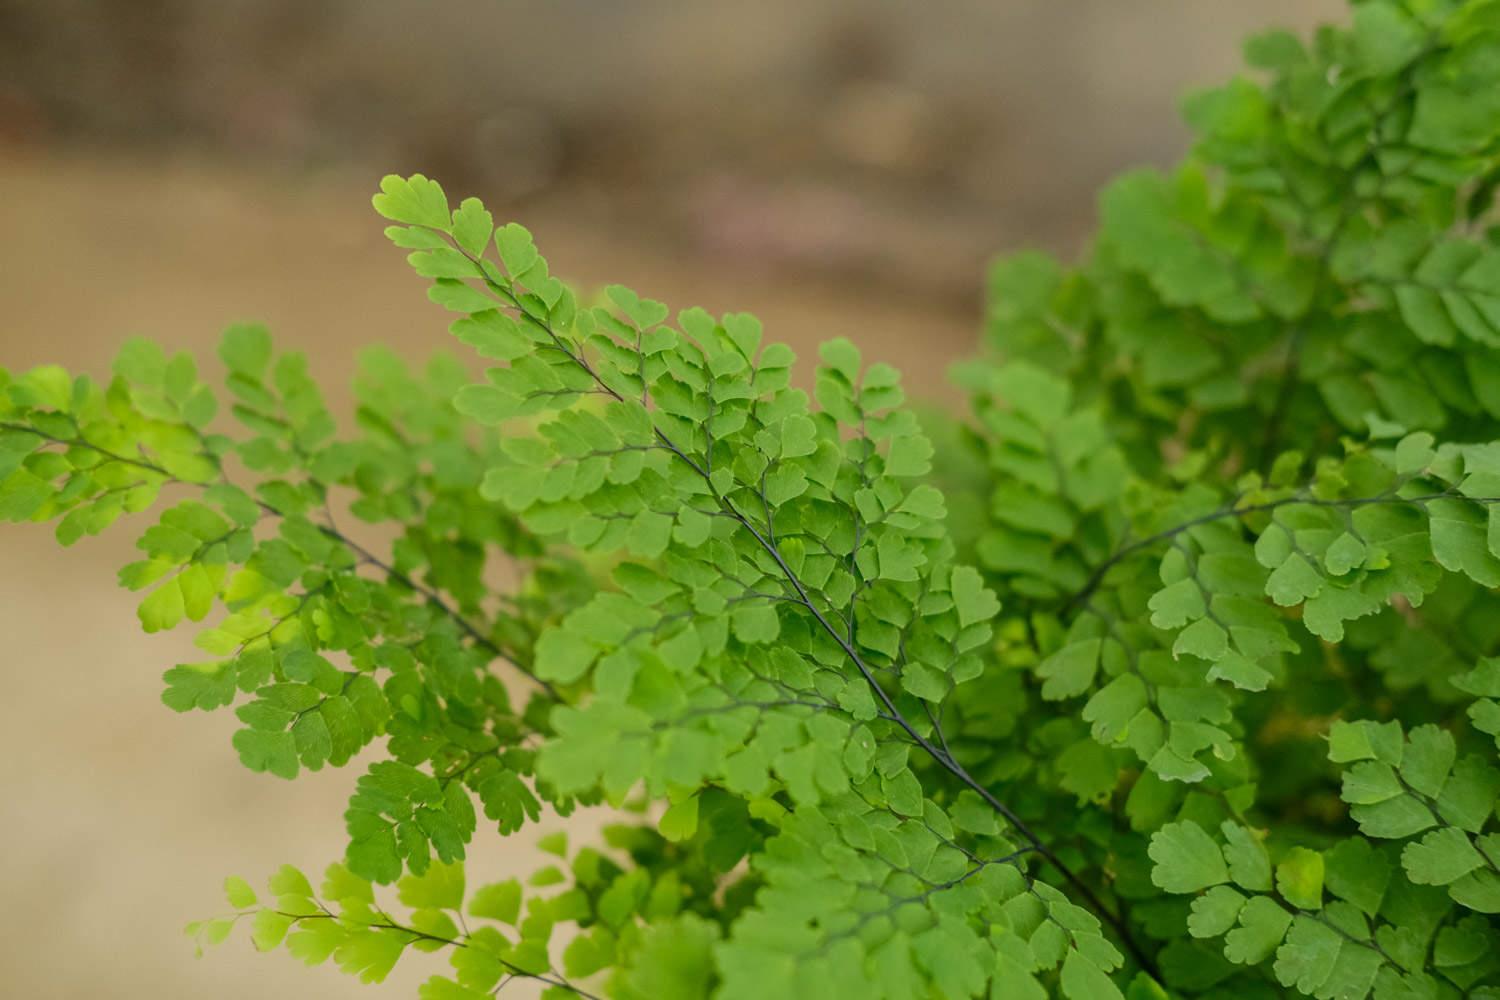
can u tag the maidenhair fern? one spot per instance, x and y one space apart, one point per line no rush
1195 693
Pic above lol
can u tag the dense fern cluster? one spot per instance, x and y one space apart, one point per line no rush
1193 692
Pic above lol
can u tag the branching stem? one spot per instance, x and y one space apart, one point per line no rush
1096 578
331 531
941 756
416 935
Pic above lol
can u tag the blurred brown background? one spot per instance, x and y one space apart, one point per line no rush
168 166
